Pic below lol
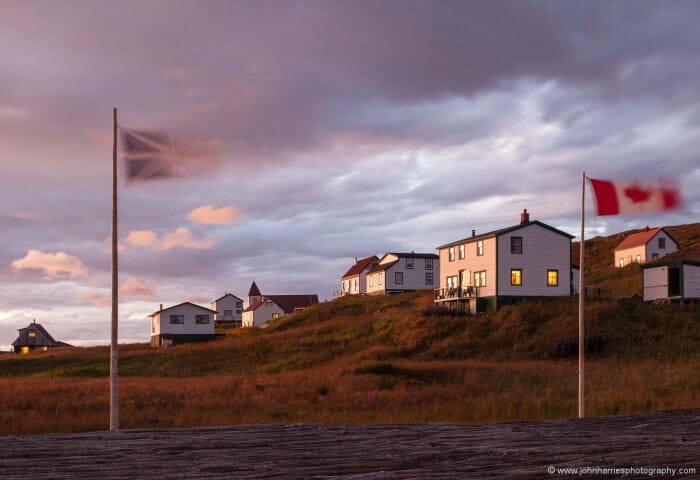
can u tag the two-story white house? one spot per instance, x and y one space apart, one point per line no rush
530 259
354 282
403 272
645 246
230 310
185 322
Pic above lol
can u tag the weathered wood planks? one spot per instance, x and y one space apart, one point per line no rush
435 451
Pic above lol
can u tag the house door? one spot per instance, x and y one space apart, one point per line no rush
674 282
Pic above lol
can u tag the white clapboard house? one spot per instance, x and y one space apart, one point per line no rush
354 282
674 278
403 272
230 310
645 246
488 270
263 308
182 323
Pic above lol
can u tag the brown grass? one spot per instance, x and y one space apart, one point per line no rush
397 392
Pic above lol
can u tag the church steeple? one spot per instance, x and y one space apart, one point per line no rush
253 294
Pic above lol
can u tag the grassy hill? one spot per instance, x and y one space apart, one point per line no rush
384 359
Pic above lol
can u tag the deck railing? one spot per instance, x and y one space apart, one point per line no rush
454 293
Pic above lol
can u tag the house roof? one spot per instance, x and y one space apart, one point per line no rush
413 255
226 295
640 239
503 231
382 267
179 305
288 303
42 338
254 290
675 258
360 265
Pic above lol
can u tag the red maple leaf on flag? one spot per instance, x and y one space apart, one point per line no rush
637 194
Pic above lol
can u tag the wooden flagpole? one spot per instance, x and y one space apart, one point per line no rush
581 290
113 352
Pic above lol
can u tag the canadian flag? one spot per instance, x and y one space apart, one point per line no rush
616 198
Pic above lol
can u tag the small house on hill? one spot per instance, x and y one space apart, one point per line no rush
262 308
182 323
354 282
674 278
645 246
35 337
403 272
527 260
230 310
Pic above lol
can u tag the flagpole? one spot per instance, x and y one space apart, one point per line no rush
581 290
113 352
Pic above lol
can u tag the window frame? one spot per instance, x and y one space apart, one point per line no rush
514 246
410 262
381 278
480 278
462 251
177 319
451 254
556 277
428 263
370 281
516 273
429 278
662 243
479 248
202 320
398 275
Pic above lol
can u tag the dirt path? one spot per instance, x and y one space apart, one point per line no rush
433 451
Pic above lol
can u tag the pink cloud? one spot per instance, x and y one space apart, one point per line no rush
142 238
180 238
208 215
97 299
135 288
55 266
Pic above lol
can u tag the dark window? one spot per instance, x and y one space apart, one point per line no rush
201 319
239 304
177 319
428 278
516 244
662 242
409 263
398 278
479 248
428 263
654 256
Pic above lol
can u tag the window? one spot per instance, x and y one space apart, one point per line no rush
398 278
356 285
428 278
516 277
516 245
479 248
662 242
239 304
31 334
275 316
228 314
461 251
153 325
622 262
409 263
480 278
654 256
428 263
638 259
552 278
451 254
381 278
452 281
465 278
201 319
370 280
177 319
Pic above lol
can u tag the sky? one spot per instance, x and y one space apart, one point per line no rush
345 129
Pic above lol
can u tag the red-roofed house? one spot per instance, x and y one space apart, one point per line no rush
645 246
354 282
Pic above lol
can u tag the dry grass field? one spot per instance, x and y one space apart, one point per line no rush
379 360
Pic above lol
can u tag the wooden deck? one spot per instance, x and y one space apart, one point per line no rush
434 451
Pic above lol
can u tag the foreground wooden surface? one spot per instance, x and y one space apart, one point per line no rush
435 451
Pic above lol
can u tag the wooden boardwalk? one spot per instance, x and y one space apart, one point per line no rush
433 451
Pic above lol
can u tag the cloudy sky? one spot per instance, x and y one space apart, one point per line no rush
346 128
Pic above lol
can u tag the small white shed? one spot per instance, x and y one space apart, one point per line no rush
671 279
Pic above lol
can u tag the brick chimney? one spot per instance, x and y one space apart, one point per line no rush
524 217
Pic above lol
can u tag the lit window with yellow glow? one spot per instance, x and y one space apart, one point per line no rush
552 278
516 277
31 334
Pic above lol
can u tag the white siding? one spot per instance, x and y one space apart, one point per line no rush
413 279
575 278
691 281
653 246
543 250
655 282
228 302
376 288
163 324
262 314
471 264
